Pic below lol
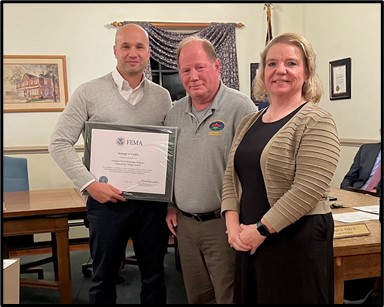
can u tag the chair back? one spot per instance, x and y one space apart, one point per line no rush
15 174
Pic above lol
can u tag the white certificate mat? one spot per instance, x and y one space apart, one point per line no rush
138 160
133 161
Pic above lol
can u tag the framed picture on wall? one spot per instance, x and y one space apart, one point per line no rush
34 83
340 79
254 67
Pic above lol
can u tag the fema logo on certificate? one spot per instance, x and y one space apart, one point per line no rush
120 141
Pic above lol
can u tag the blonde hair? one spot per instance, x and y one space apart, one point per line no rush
312 89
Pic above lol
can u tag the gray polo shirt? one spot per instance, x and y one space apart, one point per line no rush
202 148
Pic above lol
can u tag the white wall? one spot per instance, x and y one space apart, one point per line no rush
340 31
350 31
80 32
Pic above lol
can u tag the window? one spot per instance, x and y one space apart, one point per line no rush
167 78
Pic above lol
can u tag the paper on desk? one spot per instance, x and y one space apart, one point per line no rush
352 217
370 209
8 262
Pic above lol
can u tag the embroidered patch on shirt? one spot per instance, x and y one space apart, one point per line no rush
216 127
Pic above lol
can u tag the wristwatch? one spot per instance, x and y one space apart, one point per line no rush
262 229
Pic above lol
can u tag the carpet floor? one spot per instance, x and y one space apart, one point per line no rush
128 292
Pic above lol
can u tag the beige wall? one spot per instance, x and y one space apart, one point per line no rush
81 32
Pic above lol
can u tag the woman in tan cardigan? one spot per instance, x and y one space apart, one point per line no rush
276 184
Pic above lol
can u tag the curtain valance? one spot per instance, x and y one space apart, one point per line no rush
163 45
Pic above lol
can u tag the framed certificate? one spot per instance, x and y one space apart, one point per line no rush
139 160
340 79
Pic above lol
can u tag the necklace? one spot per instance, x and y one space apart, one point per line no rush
280 114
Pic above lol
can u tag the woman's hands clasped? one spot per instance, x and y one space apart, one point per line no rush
250 236
242 237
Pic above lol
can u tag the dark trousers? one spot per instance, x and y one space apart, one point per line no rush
110 227
294 266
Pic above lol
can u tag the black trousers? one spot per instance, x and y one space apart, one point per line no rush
110 227
294 266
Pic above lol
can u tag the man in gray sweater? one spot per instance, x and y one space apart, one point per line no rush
207 119
123 96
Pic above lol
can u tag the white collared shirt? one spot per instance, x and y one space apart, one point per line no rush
133 96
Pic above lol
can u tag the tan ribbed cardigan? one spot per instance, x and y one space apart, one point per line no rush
298 164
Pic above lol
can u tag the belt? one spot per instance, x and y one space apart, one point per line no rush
202 217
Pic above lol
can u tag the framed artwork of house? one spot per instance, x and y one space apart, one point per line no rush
34 83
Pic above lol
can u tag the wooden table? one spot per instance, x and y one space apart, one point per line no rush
47 211
43 211
355 257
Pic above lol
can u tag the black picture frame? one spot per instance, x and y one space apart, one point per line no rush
123 153
340 79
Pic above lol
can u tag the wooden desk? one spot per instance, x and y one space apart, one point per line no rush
42 211
355 257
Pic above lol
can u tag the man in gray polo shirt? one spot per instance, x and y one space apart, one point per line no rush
207 119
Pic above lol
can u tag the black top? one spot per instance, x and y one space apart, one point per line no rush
254 202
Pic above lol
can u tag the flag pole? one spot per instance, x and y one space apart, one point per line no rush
268 7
